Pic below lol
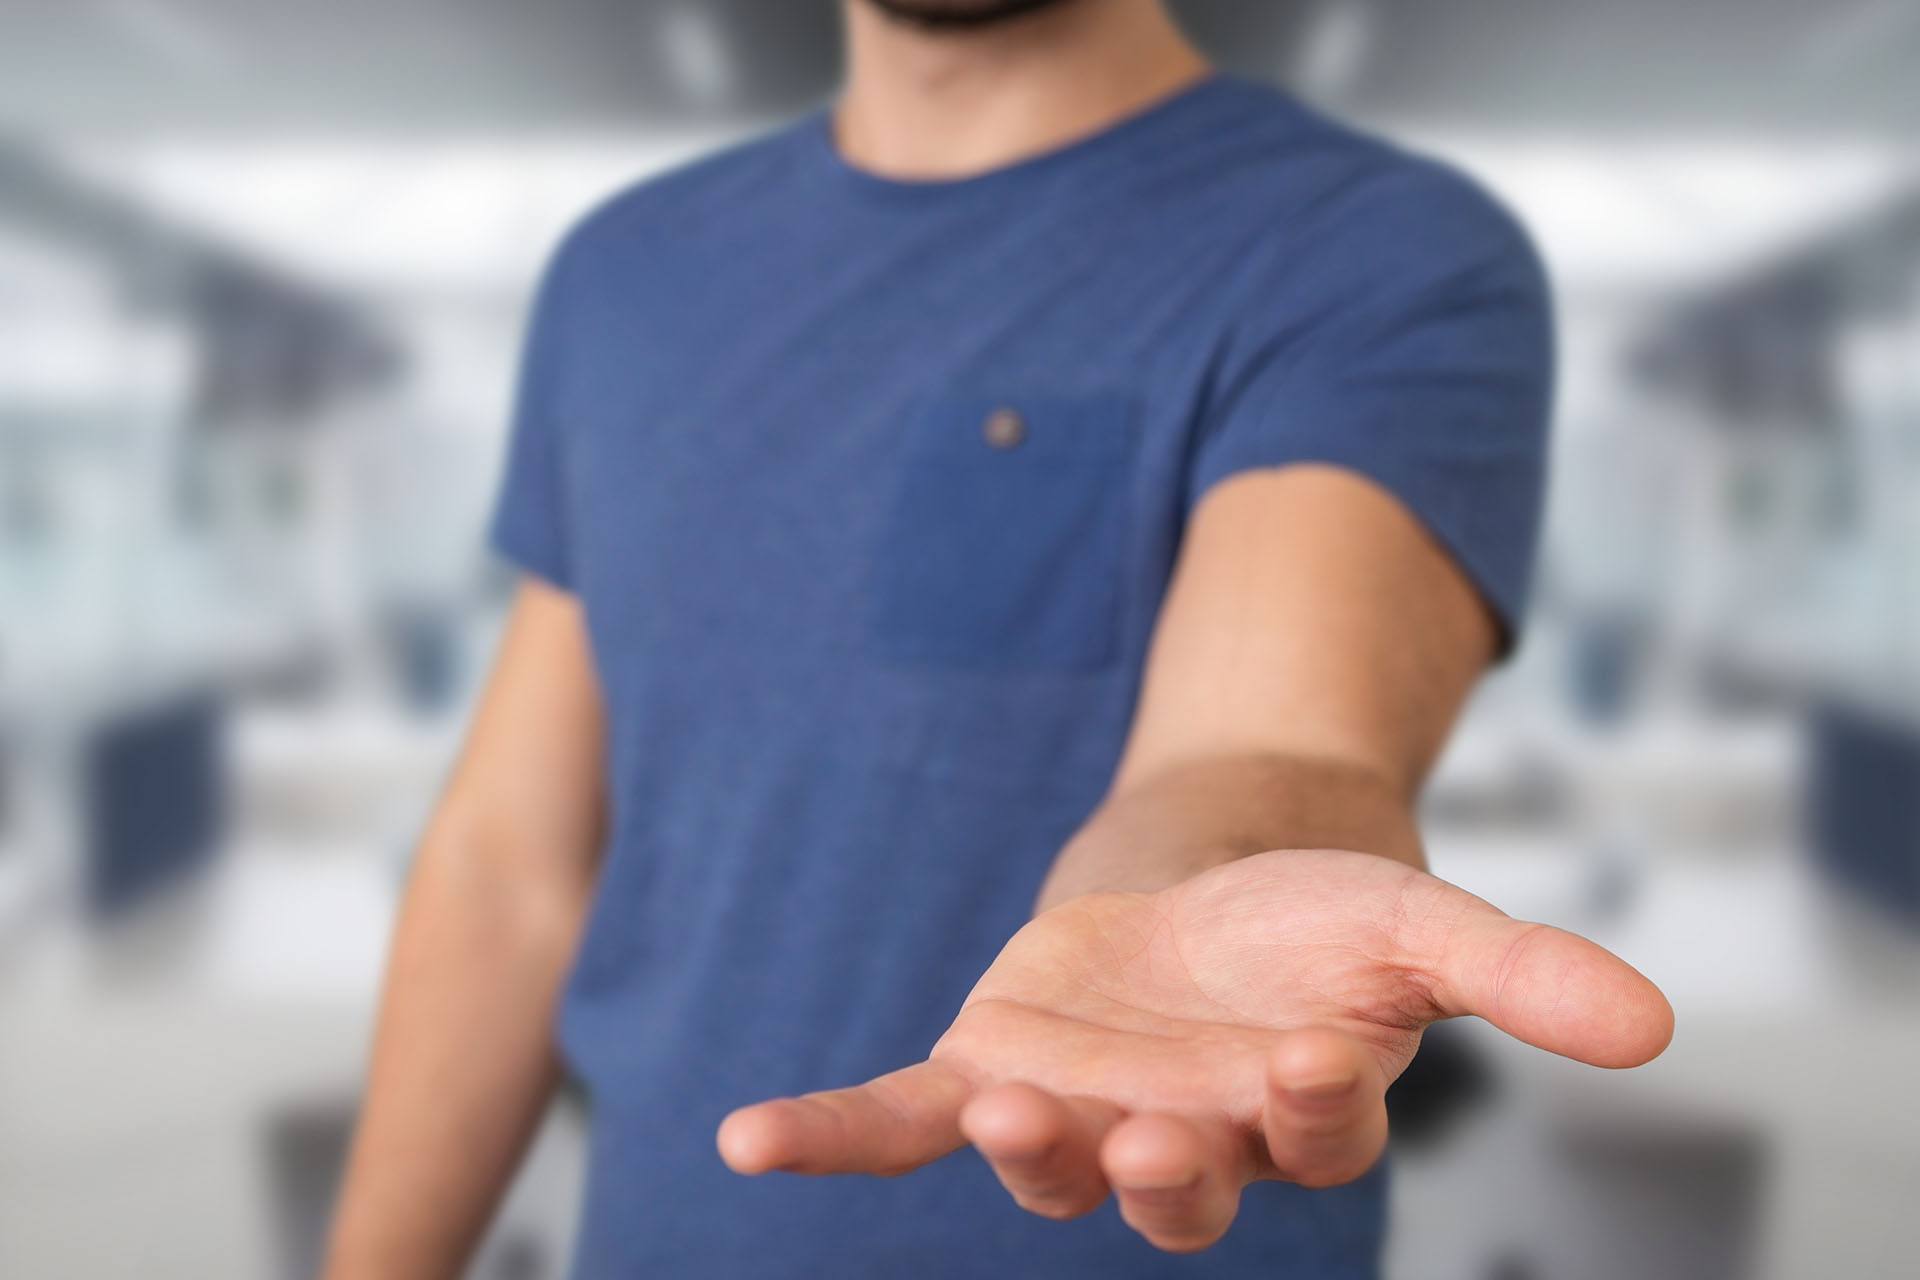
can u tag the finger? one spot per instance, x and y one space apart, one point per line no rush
1552 989
890 1124
1178 1179
1045 1149
1326 1114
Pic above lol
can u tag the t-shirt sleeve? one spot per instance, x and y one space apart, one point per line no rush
529 525
1414 346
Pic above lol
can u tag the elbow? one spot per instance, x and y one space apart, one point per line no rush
525 895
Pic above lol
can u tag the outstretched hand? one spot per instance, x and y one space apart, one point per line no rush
1172 1047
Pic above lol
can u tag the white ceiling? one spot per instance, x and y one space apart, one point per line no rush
1605 67
443 144
415 217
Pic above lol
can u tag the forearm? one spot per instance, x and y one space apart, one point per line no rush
1180 821
463 1066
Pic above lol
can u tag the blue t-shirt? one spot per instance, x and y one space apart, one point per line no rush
871 490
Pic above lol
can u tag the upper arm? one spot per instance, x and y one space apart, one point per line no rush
1367 489
1310 614
527 797
1406 337
528 791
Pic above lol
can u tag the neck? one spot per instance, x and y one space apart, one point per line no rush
942 104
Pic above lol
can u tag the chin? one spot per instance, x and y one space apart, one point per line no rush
961 14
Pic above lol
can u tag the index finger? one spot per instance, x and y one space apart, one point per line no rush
892 1123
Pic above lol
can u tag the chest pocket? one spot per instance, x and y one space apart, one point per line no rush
1005 542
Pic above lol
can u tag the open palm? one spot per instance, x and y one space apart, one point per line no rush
1244 1024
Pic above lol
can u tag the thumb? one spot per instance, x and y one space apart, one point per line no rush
1553 989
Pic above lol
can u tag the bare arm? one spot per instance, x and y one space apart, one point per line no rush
463 1065
1238 952
1311 657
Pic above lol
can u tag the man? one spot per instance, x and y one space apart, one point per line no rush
1057 469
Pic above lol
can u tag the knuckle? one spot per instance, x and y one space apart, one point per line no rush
1164 1204
1186 1225
1513 959
1322 1128
1334 1173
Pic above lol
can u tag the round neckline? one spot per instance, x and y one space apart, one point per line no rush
1116 133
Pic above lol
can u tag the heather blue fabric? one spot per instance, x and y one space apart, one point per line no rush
867 664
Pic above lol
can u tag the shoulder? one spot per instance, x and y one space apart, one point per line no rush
1351 195
1423 215
652 212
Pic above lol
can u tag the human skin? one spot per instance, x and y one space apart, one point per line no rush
463 1062
1238 952
1229 961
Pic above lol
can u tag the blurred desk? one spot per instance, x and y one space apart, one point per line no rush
174 1101
1798 1017
143 1084
140 1081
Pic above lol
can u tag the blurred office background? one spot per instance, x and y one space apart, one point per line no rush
263 271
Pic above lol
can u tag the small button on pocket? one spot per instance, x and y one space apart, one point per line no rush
1006 538
1004 429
